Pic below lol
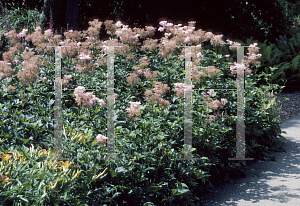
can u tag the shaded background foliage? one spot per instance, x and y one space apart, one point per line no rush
268 20
237 19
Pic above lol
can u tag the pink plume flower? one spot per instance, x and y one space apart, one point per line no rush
161 29
223 101
22 33
187 40
211 92
101 138
179 85
82 56
79 90
119 24
134 105
163 23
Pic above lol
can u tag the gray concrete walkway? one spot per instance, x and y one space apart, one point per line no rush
269 182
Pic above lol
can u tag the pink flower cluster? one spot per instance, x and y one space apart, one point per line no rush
5 69
63 81
184 35
2 75
213 104
134 111
84 64
101 138
83 56
153 96
180 89
22 33
253 54
250 59
211 117
140 69
86 99
234 68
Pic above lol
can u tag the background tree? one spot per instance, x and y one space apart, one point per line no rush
237 19
65 14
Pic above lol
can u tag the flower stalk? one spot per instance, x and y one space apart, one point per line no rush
99 175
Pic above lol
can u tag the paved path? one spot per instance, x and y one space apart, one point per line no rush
268 182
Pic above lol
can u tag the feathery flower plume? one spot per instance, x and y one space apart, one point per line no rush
101 138
22 33
134 111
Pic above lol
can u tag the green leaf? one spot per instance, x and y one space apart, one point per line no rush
120 169
182 191
112 172
273 69
25 141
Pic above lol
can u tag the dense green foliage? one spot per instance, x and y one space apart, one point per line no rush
147 172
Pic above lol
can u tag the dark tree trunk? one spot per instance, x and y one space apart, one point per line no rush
58 12
65 13
72 14
45 16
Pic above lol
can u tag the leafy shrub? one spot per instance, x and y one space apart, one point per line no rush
281 61
20 18
146 170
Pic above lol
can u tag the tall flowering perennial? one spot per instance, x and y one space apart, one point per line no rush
12 35
250 59
187 35
123 49
134 111
75 36
37 38
253 55
110 27
30 70
64 81
94 29
9 55
41 41
86 99
22 33
11 88
129 37
214 104
149 45
100 138
84 64
70 50
141 69
183 35
180 89
159 89
5 69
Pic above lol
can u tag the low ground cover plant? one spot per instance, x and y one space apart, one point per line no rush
149 116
